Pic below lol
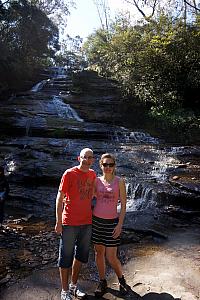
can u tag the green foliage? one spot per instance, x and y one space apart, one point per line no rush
71 54
27 39
56 10
156 62
179 118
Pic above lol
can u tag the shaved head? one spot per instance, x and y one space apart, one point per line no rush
83 151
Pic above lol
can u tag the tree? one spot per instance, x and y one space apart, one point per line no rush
188 8
27 38
103 12
56 10
71 55
155 62
142 4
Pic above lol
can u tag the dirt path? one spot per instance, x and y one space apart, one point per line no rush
167 271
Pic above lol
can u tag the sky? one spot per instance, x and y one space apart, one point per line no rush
85 19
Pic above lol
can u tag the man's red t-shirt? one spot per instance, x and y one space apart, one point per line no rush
78 188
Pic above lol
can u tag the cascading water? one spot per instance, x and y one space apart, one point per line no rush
65 110
46 136
139 197
28 126
58 72
145 166
127 136
144 163
143 137
38 87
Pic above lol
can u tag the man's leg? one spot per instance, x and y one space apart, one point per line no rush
66 253
81 256
76 270
64 278
83 243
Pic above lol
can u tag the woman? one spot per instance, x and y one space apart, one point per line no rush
4 190
107 223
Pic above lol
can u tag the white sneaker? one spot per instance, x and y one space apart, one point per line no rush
75 291
65 295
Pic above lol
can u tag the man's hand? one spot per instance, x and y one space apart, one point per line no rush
59 208
58 228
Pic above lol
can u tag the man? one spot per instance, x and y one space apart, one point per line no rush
73 222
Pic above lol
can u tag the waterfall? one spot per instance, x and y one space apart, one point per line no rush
139 197
120 135
28 126
142 137
36 88
161 165
11 165
65 111
58 72
159 171
124 135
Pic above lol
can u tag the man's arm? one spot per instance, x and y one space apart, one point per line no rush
59 208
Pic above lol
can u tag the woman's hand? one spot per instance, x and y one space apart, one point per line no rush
117 231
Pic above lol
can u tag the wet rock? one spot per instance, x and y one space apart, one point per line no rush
45 143
175 177
5 279
130 237
188 183
182 166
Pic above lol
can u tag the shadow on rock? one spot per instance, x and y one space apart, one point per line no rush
112 294
156 296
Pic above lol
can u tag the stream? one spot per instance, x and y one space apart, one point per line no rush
42 133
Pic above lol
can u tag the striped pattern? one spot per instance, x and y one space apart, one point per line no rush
102 232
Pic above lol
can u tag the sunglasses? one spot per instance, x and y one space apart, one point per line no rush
108 165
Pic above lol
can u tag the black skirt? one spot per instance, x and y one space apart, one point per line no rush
102 230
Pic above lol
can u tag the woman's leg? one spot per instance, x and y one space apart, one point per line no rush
111 255
101 266
100 260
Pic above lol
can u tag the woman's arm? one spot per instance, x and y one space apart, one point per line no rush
122 193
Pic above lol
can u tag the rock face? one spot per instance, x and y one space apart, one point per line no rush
42 132
47 110
50 124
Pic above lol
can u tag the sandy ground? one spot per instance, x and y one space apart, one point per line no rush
167 271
